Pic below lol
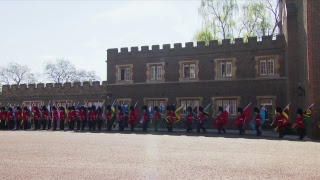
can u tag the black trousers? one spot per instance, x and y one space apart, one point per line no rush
199 127
10 124
156 126
71 125
282 131
169 126
44 122
99 124
94 124
258 130
109 125
132 126
36 124
3 124
241 130
90 125
55 124
189 127
49 124
78 125
220 127
302 133
25 125
61 124
145 126
17 124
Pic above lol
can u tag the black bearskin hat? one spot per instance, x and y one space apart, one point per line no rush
240 110
156 108
200 108
18 108
168 108
54 108
145 107
89 108
256 110
189 108
131 108
44 108
108 107
299 111
73 108
119 108
10 109
99 109
61 108
93 108
36 108
220 109
25 109
173 108
3 109
278 109
81 108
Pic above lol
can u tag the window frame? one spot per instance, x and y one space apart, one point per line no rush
193 70
155 72
127 73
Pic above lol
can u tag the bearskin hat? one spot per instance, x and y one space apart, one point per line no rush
44 108
220 109
25 108
173 108
89 108
36 108
99 109
299 111
131 108
256 110
200 108
61 108
145 107
108 107
54 108
19 108
240 110
3 109
93 108
10 109
189 108
278 109
73 108
81 108
156 108
168 108
119 108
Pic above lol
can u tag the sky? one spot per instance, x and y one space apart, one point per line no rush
35 32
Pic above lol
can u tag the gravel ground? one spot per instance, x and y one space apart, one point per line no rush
70 155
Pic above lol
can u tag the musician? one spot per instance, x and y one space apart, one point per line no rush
189 119
131 120
257 120
156 118
109 118
145 118
62 114
36 118
18 115
300 125
201 119
45 117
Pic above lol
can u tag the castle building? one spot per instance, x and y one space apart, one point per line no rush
271 72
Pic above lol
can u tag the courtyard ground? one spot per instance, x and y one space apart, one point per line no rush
86 155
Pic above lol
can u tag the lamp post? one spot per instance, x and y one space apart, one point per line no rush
301 92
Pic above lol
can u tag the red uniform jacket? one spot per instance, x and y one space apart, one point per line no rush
3 115
81 115
172 117
36 115
145 117
120 116
280 120
54 115
299 122
131 118
189 118
44 115
220 119
92 116
240 119
156 116
18 115
99 116
201 118
108 116
9 115
25 115
257 119
62 115
71 115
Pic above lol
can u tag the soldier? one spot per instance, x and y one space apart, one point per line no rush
18 115
25 118
240 121
172 118
279 121
36 118
45 117
10 118
3 117
99 118
71 117
167 119
300 125
81 119
132 121
189 119
220 121
89 118
201 119
62 114
55 117
108 118
257 120
120 118
93 117
156 118
145 118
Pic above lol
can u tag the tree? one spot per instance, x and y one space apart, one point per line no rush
274 9
16 73
83 75
204 35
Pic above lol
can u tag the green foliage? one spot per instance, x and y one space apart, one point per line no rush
204 35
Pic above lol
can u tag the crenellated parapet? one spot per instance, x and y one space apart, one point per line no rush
239 44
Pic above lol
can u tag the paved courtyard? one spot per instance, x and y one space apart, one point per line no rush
70 155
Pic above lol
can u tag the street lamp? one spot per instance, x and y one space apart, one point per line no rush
301 92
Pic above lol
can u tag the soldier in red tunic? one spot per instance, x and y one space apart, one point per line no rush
167 119
10 118
120 118
189 119
3 117
99 118
71 117
201 119
55 117
300 125
93 117
45 117
156 118
25 118
257 120
81 119
131 120
280 122
108 118
36 118
62 114
240 121
220 121
145 118
173 117
89 118
18 115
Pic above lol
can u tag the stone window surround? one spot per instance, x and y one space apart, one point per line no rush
148 72
179 99
117 73
217 69
101 101
165 100
215 108
181 63
268 97
276 65
36 103
120 100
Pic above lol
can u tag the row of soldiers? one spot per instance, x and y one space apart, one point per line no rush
92 117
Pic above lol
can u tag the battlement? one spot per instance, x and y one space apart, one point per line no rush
200 48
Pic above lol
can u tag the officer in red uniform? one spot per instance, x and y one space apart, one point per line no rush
156 118
280 122
10 118
257 120
189 119
18 115
3 117
120 118
93 117
167 119
145 118
201 119
108 118
99 118
220 121
25 118
173 117
36 118
240 121
300 125
71 117
62 115
89 118
55 117
81 119
131 120
45 117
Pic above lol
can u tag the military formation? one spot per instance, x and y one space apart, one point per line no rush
113 117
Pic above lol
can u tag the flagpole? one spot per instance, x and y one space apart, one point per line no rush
248 105
311 106
207 106
136 104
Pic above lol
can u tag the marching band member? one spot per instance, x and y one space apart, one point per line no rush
145 118
131 119
36 118
55 117
108 118
156 118
45 117
189 119
300 125
257 119
62 114
201 120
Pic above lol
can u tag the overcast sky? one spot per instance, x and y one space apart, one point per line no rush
35 32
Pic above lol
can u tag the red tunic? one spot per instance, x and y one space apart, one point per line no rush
299 122
145 116
3 115
62 115
25 116
172 117
257 119
280 120
131 117
120 116
36 115
81 115
99 116
108 116
54 115
18 115
220 119
71 116
201 118
44 115
156 116
189 118
9 115
240 119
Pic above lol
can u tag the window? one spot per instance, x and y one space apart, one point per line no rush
189 70
124 73
225 69
268 103
189 102
36 103
267 67
63 103
226 102
160 102
124 101
156 72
